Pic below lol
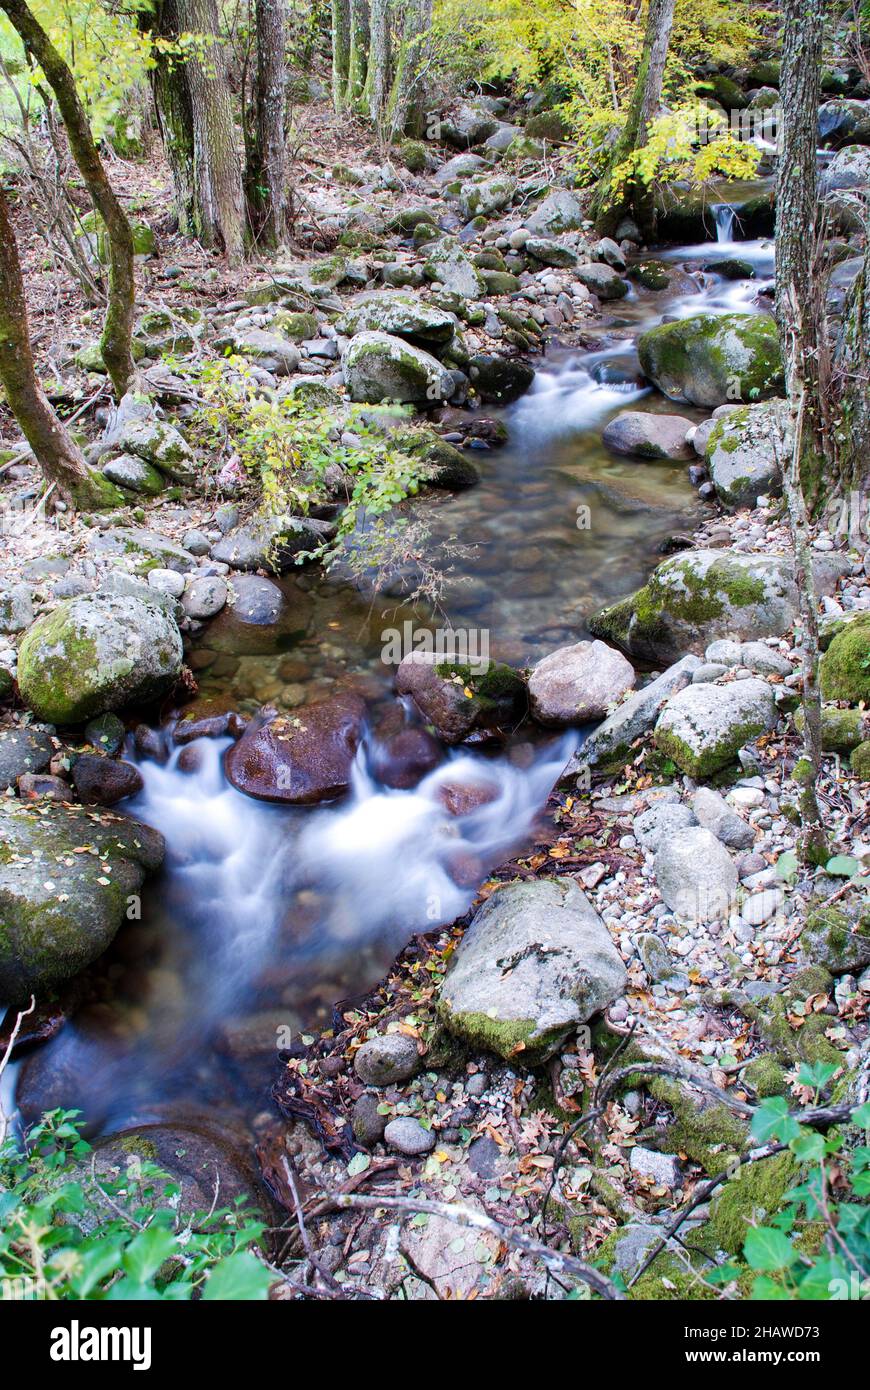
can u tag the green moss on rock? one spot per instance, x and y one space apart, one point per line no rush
845 667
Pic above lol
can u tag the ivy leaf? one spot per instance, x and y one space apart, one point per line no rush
816 1074
239 1278
147 1252
843 866
787 866
767 1249
773 1121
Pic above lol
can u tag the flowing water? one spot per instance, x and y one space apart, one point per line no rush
265 916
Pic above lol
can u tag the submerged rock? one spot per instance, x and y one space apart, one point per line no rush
95 653
704 358
66 876
301 758
536 961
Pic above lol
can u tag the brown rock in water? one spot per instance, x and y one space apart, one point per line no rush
102 781
405 758
459 702
299 758
461 799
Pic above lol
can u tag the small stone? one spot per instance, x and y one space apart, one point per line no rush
655 824
196 542
760 907
386 1060
407 1136
166 582
367 1122
662 1169
204 596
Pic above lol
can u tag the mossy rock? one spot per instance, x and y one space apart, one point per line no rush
705 358
651 274
844 670
842 729
59 908
837 937
766 1076
442 465
549 125
754 1195
796 1036
860 761
413 155
298 327
709 1134
97 652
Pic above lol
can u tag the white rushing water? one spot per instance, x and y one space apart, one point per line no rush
370 871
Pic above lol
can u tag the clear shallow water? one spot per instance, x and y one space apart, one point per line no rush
264 917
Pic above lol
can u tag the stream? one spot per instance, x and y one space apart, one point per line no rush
265 916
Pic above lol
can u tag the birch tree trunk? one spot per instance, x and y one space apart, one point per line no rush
609 206
266 175
56 452
116 340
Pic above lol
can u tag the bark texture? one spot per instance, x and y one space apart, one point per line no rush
406 103
56 452
266 175
340 51
217 171
796 201
118 328
608 207
174 115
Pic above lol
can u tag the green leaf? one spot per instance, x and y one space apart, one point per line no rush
816 1074
787 865
358 1164
768 1249
808 1147
843 866
147 1251
239 1278
773 1121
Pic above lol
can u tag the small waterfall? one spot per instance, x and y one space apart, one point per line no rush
725 215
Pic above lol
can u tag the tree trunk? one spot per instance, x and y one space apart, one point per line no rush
852 389
795 299
266 176
118 327
406 104
217 171
357 62
340 51
377 81
57 454
637 198
172 102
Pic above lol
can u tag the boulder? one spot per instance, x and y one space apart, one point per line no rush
204 596
659 821
577 684
299 758
102 781
696 876
644 434
705 357
486 196
551 252
95 653
459 701
609 746
386 1060
379 367
16 608
448 264
271 351
255 600
271 542
845 666
536 962
838 936
134 474
461 166
59 908
470 125
560 212
703 727
844 122
402 315
23 751
713 812
700 595
743 453
440 464
602 280
159 444
499 379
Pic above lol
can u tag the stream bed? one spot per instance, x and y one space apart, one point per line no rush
265 916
